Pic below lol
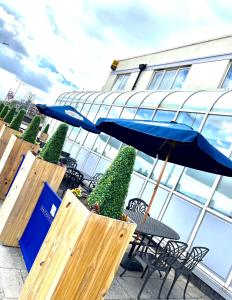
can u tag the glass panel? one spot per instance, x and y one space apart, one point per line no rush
196 184
114 112
171 173
100 143
167 80
222 198
215 234
110 99
137 98
144 114
136 184
92 113
192 119
102 166
218 131
143 163
74 150
79 106
112 148
67 146
81 157
164 115
93 97
180 79
122 99
160 198
154 99
101 97
181 216
228 80
128 113
156 80
86 95
74 133
90 164
120 82
102 113
90 140
201 101
224 104
81 136
175 100
85 109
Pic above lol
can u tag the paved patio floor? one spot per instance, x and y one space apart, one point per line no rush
13 273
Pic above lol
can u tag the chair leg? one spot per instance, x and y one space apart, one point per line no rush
185 289
161 287
144 283
173 283
144 272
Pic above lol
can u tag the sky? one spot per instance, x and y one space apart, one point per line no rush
59 46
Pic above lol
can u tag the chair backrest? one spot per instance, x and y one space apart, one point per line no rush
72 178
195 256
171 252
69 162
137 204
95 180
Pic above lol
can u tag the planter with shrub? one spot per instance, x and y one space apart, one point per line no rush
16 148
3 113
28 184
44 134
82 250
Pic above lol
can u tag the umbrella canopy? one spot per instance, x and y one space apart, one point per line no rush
69 115
184 145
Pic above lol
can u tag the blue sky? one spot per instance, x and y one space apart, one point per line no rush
57 46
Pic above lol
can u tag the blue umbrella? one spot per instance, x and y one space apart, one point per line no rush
67 114
170 141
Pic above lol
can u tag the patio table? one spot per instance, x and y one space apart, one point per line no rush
151 228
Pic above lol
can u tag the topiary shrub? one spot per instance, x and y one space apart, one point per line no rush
46 129
10 115
32 130
112 188
4 111
1 106
52 150
16 122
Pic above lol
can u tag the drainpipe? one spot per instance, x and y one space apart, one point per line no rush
141 68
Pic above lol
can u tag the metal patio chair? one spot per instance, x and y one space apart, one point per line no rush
160 262
185 266
69 162
72 179
89 184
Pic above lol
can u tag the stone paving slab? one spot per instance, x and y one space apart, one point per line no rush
13 273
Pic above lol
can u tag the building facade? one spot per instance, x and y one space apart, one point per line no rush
191 84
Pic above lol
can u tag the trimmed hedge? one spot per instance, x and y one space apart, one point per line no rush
16 122
1 106
10 115
52 150
32 130
112 188
46 129
4 111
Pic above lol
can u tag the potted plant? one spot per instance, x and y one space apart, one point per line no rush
44 134
82 250
16 148
1 106
3 113
28 184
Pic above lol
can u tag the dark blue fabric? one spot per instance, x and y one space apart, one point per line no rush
67 114
190 148
38 225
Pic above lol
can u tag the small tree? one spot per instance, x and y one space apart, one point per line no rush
45 130
111 191
16 122
4 111
1 106
52 150
10 115
32 130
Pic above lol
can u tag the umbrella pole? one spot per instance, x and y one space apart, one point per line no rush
156 186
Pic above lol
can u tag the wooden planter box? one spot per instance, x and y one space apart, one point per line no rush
11 159
43 137
80 255
2 123
5 135
24 194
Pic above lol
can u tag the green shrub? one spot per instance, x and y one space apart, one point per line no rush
1 106
112 188
52 150
10 115
4 111
16 122
46 129
32 130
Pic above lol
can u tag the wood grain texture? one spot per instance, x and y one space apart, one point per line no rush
24 194
5 137
80 255
43 137
11 159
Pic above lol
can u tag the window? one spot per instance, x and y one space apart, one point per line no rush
228 80
169 79
120 83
